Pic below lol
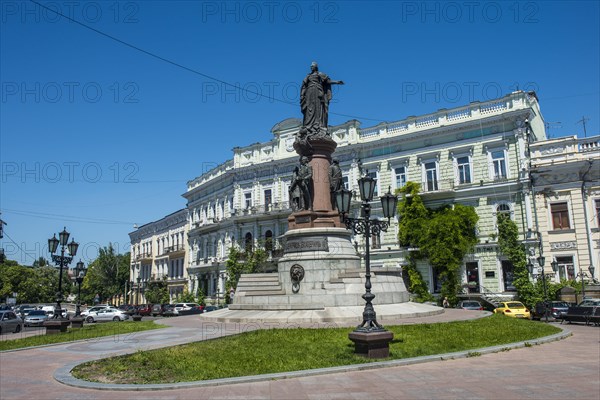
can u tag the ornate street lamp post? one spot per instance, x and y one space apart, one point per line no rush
582 274
62 261
541 261
80 271
370 338
137 294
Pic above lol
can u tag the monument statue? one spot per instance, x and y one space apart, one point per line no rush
315 95
335 180
305 183
294 191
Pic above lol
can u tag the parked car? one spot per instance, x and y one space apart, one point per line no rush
158 309
36 318
10 322
106 314
188 308
555 309
210 308
24 310
127 308
589 303
514 309
470 305
94 309
170 311
144 309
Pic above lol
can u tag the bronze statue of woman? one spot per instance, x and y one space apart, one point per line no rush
315 96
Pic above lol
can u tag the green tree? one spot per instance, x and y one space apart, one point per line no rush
186 296
106 275
243 262
443 237
40 262
514 250
32 285
157 292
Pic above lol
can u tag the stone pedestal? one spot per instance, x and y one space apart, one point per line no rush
319 150
136 318
55 326
331 276
372 344
77 322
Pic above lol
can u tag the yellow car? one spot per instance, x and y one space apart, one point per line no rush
514 309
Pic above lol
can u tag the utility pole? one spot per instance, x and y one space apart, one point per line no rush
583 120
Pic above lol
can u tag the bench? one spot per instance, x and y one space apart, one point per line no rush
589 315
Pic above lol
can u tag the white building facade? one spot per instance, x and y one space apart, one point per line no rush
159 251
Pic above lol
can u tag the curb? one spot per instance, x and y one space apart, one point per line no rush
63 374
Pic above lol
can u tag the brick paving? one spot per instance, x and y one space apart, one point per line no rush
565 369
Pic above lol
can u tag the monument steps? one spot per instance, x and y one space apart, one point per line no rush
260 285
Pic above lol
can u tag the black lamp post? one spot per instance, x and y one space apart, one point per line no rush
582 274
80 271
541 261
62 261
370 338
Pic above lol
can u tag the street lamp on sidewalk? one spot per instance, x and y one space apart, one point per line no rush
541 260
370 338
583 274
62 261
80 271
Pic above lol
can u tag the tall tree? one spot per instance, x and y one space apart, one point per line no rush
443 237
106 276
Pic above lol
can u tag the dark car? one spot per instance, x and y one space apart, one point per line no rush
470 305
170 311
158 309
128 309
210 308
555 309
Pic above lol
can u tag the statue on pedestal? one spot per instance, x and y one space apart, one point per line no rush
335 180
315 96
301 187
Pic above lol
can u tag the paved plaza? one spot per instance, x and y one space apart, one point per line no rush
562 369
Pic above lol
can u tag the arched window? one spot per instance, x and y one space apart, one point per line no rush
268 240
248 243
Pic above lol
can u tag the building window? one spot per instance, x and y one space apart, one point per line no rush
597 202
503 208
268 198
268 240
248 242
431 176
560 216
498 161
509 276
566 268
345 183
374 175
248 200
400 177
463 168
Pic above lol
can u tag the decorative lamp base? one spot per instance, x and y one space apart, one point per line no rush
77 322
372 344
55 326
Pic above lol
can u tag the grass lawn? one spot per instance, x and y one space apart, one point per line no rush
282 350
89 331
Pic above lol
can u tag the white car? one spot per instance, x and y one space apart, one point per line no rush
106 314
94 309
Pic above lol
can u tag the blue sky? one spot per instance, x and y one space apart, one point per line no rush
104 119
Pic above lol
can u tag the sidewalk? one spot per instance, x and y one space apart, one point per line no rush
563 369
